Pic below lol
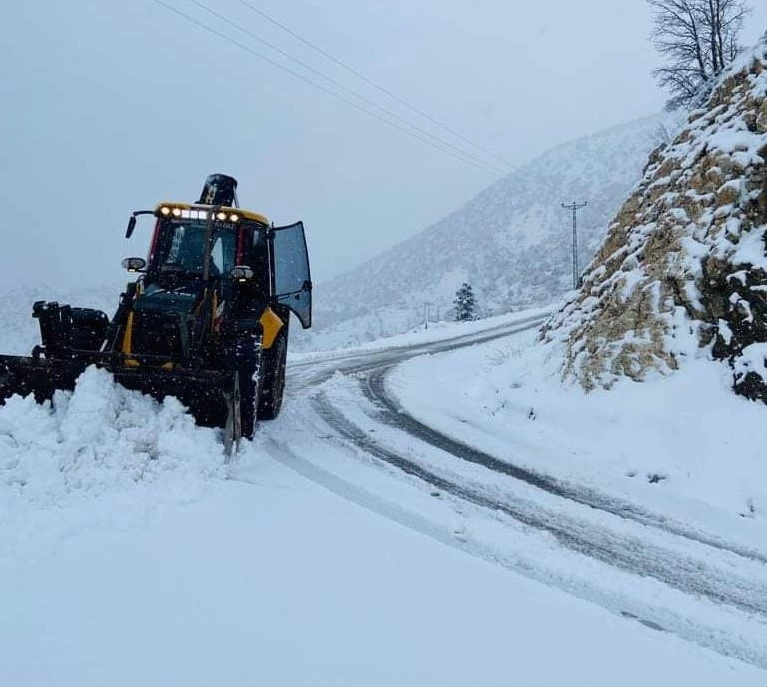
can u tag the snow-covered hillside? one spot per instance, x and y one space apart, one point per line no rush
682 272
512 242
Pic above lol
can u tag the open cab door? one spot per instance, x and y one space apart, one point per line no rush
292 280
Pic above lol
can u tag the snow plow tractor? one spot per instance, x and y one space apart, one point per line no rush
205 321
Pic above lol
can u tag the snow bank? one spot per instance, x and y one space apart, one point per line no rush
98 456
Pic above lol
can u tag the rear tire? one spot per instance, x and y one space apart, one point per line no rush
273 378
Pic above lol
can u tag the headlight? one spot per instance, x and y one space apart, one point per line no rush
241 273
134 264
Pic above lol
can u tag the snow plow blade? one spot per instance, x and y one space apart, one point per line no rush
207 393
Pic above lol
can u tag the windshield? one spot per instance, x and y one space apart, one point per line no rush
181 246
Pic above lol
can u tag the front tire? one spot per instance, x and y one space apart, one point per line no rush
233 425
249 393
273 366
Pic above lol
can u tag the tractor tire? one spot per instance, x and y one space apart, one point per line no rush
233 424
273 363
249 402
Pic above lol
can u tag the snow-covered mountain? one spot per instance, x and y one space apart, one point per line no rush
512 242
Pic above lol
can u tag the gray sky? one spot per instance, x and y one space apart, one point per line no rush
112 106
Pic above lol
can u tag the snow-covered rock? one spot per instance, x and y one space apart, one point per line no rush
683 270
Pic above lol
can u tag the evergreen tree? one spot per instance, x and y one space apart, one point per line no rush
465 304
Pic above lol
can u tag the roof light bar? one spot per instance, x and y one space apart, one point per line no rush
185 213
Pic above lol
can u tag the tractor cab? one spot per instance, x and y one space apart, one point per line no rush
233 251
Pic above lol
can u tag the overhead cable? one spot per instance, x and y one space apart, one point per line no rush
370 81
461 156
494 168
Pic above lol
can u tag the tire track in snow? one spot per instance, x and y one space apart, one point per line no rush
687 575
376 363
628 553
391 413
314 371
656 611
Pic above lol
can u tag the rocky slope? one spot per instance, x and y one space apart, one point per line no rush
512 243
682 271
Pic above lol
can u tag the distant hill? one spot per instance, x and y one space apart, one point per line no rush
512 243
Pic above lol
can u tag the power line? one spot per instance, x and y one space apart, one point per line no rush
576 269
344 88
247 48
370 81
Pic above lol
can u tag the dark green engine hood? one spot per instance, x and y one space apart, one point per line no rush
181 300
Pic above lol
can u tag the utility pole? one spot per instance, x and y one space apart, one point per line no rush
426 314
576 270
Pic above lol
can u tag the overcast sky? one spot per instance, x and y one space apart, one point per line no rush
112 106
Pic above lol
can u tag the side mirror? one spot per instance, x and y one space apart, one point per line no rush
134 264
132 221
241 273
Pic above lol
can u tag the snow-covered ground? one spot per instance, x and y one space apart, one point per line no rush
130 553
683 443
276 581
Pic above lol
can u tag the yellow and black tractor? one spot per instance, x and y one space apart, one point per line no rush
206 320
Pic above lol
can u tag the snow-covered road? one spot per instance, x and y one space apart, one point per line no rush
706 588
341 548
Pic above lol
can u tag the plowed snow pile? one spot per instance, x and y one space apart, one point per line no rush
101 455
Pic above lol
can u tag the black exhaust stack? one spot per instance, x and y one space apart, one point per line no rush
219 189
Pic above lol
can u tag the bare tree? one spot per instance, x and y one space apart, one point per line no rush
698 39
668 128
